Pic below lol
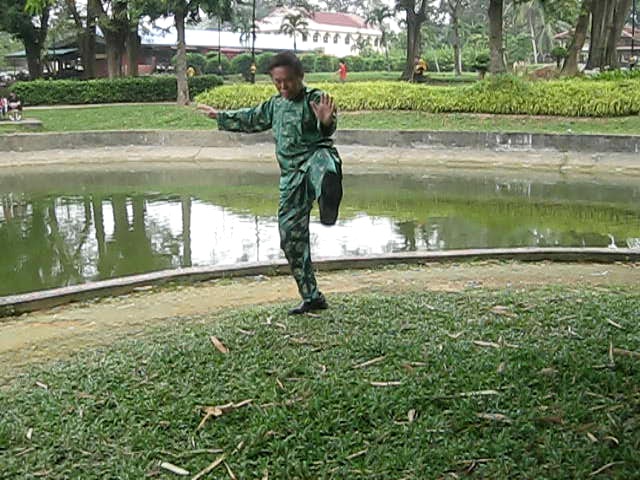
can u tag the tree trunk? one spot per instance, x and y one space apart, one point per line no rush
181 60
620 15
455 23
413 47
570 67
114 44
495 36
133 47
601 19
34 58
414 22
532 32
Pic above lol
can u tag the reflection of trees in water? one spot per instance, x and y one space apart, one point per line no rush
47 242
131 248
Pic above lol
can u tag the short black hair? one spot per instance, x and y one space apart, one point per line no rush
287 59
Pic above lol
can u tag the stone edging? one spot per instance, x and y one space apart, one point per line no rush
30 142
28 302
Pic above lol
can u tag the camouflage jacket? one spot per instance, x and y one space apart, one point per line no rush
297 132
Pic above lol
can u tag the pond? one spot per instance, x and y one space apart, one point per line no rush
59 229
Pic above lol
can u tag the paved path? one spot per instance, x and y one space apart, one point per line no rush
357 159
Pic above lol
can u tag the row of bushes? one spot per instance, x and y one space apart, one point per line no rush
129 89
498 95
312 62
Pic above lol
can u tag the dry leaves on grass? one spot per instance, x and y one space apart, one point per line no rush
174 468
502 310
218 344
219 410
494 417
368 363
211 467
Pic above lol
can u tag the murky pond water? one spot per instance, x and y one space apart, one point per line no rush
68 228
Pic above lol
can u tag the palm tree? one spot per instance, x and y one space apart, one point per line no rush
376 18
244 27
292 24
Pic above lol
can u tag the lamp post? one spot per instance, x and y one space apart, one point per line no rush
253 43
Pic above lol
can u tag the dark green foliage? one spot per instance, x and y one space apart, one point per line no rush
616 75
241 64
263 60
129 89
309 62
326 63
481 63
197 61
375 63
355 63
211 67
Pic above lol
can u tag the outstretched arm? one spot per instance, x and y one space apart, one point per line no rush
250 120
207 110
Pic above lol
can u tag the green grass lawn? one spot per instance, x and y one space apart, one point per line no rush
418 386
168 117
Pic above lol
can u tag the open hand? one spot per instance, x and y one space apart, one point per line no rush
324 109
207 110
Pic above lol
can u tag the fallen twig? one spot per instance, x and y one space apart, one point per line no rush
626 353
373 361
604 467
202 473
173 468
219 410
218 344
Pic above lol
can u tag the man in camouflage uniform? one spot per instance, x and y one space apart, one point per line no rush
302 121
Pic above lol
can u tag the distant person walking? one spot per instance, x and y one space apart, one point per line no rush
303 120
342 71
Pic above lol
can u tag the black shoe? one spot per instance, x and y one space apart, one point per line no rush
329 200
319 303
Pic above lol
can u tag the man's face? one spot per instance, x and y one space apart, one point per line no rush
286 82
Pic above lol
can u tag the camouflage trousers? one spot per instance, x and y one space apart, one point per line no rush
298 190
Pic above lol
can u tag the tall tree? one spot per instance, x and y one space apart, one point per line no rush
607 21
377 18
454 9
29 23
496 47
570 66
416 15
294 24
85 23
183 11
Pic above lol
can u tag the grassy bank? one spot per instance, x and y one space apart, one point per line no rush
505 385
169 117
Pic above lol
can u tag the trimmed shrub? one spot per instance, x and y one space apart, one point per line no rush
211 67
128 89
241 64
326 63
355 63
375 63
195 60
499 95
263 60
309 62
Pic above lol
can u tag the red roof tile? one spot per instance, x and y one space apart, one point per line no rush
340 19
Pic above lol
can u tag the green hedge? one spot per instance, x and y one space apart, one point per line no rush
129 89
499 95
